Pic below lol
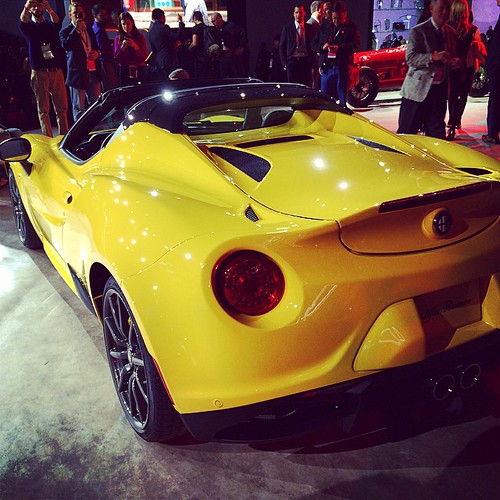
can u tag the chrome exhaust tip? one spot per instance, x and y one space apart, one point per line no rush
470 376
443 387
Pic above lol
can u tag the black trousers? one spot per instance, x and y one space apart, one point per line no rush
428 115
493 119
299 70
460 85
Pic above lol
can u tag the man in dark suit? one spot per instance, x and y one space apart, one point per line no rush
493 71
83 76
337 40
317 14
431 52
295 48
162 44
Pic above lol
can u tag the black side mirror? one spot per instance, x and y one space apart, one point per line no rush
15 149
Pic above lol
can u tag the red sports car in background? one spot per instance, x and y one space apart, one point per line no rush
385 69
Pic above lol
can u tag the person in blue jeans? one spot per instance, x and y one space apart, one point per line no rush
337 40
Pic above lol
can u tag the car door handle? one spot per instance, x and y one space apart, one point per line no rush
67 197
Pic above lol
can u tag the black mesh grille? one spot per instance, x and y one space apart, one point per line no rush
250 214
254 166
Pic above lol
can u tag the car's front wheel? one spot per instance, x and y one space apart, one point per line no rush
25 229
365 92
140 390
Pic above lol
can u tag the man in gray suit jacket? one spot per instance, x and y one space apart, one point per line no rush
431 52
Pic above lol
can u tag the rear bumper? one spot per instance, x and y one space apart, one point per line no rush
436 378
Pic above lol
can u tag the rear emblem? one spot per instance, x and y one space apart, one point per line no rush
442 223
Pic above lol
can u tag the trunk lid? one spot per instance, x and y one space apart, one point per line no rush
387 198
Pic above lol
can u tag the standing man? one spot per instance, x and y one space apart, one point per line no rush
430 54
336 43
276 71
295 48
162 44
46 57
232 40
316 16
83 76
106 60
315 21
493 72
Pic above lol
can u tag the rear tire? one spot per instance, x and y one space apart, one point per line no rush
365 92
25 229
140 390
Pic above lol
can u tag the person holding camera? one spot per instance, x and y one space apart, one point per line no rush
83 77
46 58
106 61
130 52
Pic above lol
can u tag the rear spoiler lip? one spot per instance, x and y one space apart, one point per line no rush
436 197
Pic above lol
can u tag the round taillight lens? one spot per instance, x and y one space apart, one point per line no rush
249 283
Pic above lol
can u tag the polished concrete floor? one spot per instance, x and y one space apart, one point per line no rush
62 433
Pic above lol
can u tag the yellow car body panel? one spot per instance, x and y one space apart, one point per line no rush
329 314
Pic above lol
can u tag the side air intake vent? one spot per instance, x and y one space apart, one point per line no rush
254 166
475 170
275 140
375 145
251 215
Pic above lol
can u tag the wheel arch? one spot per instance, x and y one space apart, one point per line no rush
98 276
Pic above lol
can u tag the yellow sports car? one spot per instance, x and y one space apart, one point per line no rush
261 259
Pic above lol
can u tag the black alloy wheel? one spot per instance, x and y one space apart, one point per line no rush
365 92
139 388
25 229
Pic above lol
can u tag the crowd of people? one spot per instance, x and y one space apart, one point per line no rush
315 49
443 53
70 66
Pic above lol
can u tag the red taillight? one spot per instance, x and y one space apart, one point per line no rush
249 283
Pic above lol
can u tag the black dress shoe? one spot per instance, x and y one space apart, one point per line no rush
451 134
490 140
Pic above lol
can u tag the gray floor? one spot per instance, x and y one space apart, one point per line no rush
62 434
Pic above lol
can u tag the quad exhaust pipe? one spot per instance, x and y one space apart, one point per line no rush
443 386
